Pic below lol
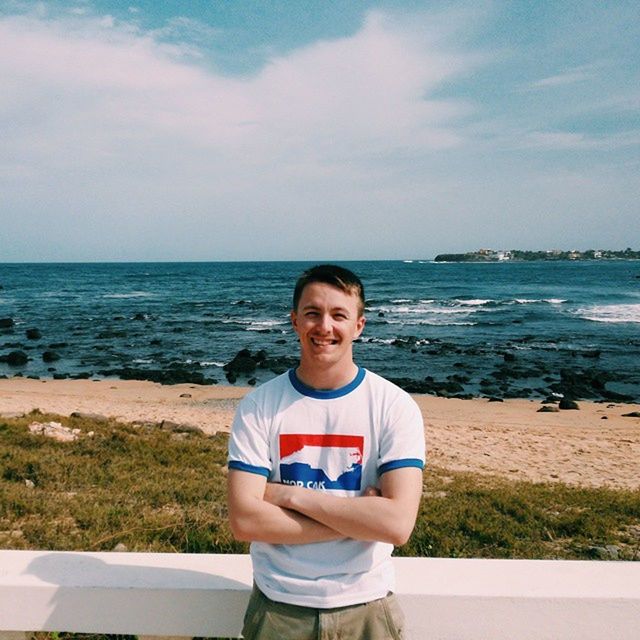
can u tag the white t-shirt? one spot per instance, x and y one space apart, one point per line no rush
341 441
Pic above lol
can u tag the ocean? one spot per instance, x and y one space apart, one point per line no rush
510 329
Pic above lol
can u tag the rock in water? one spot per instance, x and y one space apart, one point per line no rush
17 358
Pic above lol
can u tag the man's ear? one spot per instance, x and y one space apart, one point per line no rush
294 319
360 326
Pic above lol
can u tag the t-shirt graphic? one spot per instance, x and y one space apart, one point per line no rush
321 461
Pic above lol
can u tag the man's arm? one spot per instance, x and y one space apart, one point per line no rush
253 519
389 517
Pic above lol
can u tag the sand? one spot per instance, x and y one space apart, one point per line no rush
509 439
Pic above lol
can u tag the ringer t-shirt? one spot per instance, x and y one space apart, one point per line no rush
340 441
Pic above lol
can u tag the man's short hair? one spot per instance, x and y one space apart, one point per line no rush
335 276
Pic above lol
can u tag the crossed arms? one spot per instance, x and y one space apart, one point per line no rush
285 514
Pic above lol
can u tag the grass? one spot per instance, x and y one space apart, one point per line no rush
152 490
132 485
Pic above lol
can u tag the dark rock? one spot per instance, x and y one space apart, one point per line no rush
60 376
50 356
252 381
186 395
567 404
380 314
614 395
588 383
83 375
242 363
15 358
405 341
633 414
594 353
495 399
509 357
108 335
139 316
58 345
6 323
278 364
604 418
547 408
156 342
456 377
170 376
33 334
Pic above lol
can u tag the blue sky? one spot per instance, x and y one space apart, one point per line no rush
211 130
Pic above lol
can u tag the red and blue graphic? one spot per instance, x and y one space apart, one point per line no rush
321 461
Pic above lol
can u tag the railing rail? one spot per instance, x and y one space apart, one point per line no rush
163 594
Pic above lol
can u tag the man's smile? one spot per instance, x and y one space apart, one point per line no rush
323 342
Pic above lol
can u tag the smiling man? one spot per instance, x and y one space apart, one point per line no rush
325 476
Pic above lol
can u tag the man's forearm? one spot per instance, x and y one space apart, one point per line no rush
372 517
253 519
269 523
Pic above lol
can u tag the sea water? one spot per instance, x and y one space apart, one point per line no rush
423 318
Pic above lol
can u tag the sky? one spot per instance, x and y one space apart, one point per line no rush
317 129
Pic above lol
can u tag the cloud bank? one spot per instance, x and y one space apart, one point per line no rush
120 143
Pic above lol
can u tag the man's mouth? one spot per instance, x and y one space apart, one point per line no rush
323 342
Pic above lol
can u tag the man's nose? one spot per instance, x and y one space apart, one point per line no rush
325 322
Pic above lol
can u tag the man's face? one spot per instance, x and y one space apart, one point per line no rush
327 322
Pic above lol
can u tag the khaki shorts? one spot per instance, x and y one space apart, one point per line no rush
266 619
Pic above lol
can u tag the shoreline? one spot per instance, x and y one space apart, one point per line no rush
594 446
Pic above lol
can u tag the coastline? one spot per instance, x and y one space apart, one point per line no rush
595 446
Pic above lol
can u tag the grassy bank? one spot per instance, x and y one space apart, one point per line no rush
153 490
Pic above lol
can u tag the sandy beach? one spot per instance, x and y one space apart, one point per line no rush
595 446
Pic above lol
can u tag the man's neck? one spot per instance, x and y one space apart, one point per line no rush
326 379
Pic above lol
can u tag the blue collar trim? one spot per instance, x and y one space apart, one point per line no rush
326 394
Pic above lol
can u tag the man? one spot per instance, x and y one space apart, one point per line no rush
325 476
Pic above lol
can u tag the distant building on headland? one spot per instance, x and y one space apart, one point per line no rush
516 255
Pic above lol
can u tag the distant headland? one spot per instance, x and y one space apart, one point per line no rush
516 255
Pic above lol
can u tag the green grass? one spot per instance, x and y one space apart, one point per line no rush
155 491
138 486
465 515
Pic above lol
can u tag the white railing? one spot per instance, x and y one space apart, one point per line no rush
163 594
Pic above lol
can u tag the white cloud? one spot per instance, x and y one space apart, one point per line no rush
561 79
368 90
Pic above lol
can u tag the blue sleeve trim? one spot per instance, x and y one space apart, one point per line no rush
400 464
249 468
